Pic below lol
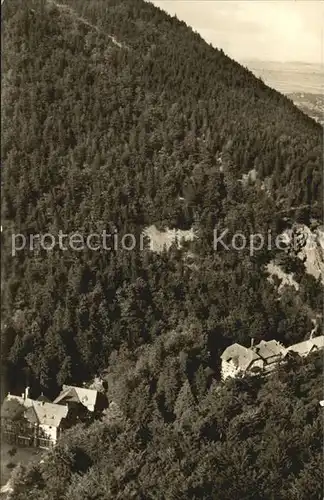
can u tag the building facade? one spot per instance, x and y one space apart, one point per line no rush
29 422
91 399
263 357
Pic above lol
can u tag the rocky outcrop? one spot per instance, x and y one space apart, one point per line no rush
308 246
160 240
285 278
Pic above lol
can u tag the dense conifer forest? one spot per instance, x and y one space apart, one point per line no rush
249 439
117 116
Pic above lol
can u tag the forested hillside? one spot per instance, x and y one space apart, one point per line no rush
249 440
116 115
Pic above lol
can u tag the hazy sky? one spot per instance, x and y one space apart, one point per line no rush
277 30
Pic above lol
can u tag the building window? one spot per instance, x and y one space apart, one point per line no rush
45 443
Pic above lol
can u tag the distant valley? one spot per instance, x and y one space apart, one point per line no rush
302 82
311 104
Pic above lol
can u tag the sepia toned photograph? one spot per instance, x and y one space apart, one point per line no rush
162 250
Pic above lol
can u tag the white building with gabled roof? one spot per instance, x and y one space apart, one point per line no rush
305 348
237 359
42 421
265 356
72 394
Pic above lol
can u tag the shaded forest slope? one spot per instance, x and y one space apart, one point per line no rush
116 115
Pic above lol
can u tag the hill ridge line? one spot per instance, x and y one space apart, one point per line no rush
81 19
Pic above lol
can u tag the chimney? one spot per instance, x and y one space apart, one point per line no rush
26 393
252 342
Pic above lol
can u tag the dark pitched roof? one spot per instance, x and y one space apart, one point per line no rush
31 415
87 397
43 398
68 394
269 349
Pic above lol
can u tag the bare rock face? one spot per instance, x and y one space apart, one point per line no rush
313 253
160 240
308 246
285 278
